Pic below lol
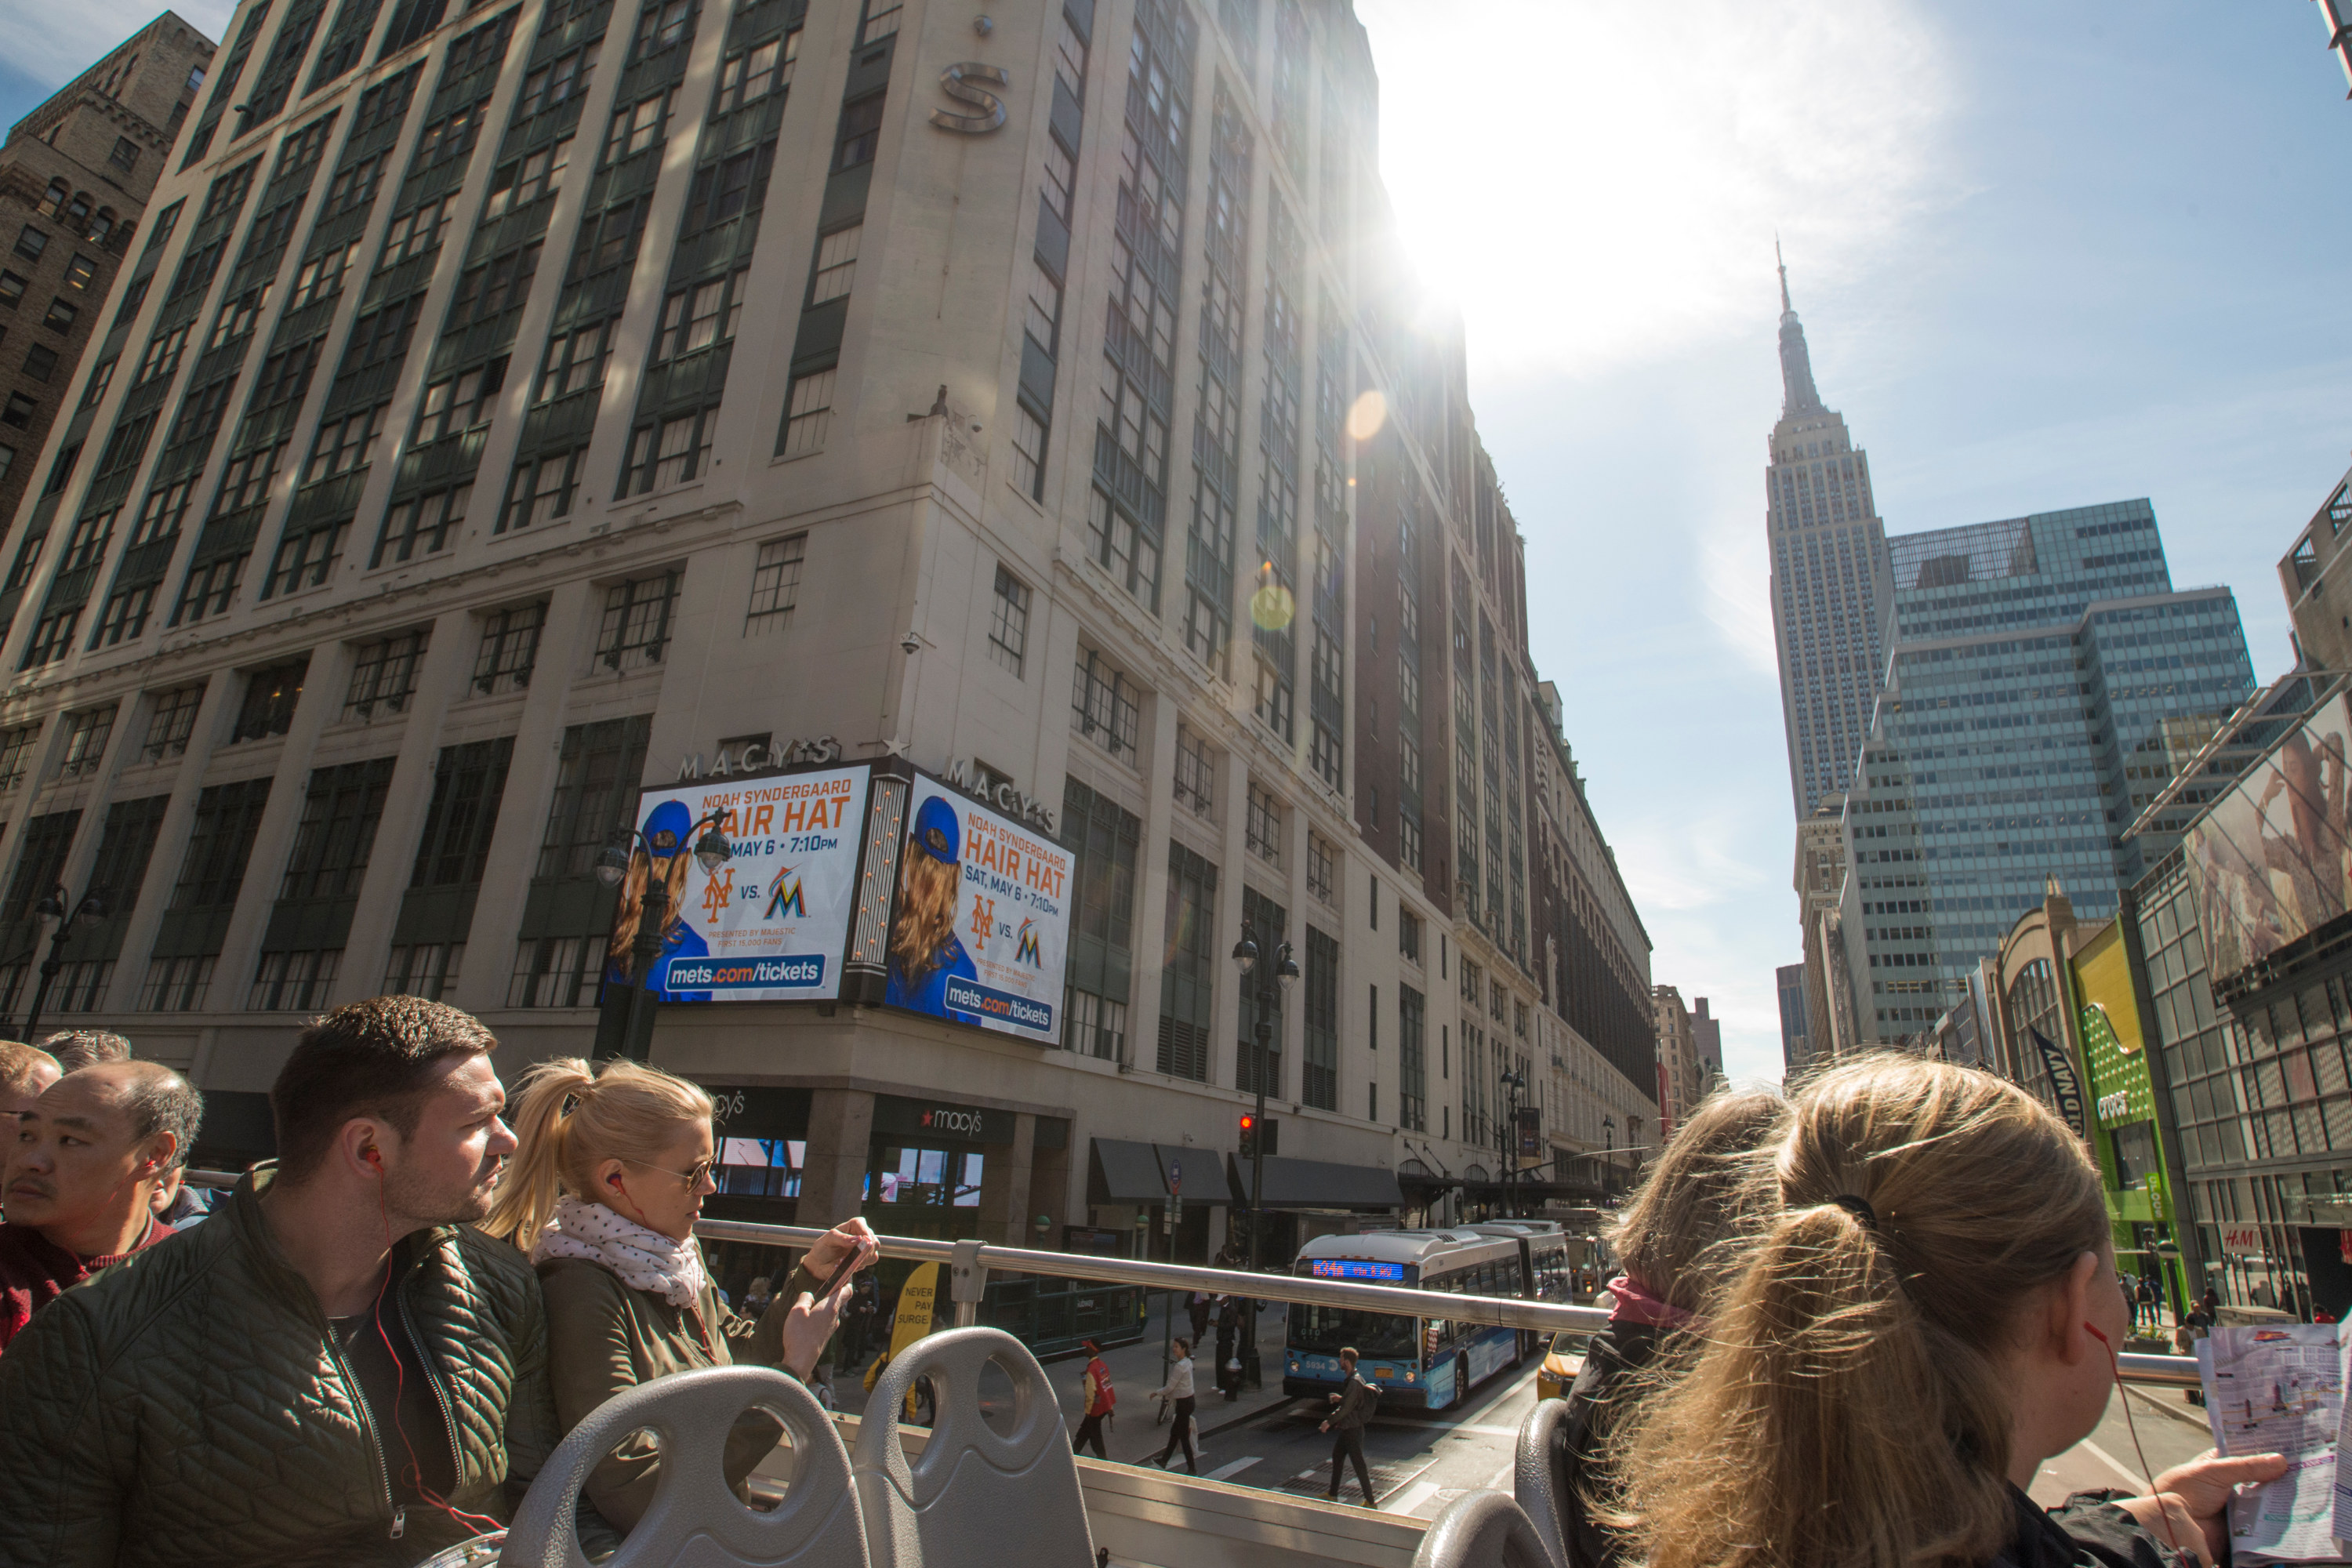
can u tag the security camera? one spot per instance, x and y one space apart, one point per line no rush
911 643
983 25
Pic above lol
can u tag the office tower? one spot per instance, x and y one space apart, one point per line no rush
1788 984
1677 1056
540 400
74 180
2046 682
1829 578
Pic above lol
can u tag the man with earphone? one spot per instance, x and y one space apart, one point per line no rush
336 1367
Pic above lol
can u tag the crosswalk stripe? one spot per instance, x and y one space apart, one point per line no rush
1236 1469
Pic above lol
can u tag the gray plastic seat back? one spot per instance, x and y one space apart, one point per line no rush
972 1496
695 1521
1539 1474
1481 1529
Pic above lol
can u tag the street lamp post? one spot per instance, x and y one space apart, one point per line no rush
1279 976
92 908
653 912
1515 1082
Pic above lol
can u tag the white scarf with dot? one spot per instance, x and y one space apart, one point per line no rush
645 1259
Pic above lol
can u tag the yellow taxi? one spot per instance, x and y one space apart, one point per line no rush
1562 1361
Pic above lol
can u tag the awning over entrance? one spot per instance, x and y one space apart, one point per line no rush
1317 1184
1131 1172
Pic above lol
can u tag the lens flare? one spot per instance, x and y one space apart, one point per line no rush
1271 607
1369 412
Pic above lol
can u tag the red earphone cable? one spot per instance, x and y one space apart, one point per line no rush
2115 1365
472 1524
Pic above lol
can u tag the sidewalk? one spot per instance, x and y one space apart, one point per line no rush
1135 1371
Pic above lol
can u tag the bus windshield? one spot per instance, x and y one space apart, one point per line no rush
1325 1329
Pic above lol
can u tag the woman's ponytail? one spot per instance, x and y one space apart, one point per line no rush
1846 1404
527 1192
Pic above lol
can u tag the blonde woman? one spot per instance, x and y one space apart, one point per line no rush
602 1194
1925 1320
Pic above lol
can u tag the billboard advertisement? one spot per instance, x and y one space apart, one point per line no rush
768 925
2267 863
981 924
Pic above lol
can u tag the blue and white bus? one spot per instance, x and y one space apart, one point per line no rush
1431 1362
1544 1272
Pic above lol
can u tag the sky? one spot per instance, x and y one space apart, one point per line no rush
2044 259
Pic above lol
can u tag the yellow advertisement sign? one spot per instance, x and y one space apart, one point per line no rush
918 1309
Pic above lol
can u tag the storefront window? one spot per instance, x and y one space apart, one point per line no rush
934 1178
761 1167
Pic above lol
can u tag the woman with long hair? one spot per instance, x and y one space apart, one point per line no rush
1926 1319
602 1193
925 953
1702 1197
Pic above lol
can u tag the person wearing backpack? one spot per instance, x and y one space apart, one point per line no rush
1356 1401
1101 1398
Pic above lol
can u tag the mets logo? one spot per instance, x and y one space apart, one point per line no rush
715 894
786 902
1025 947
983 920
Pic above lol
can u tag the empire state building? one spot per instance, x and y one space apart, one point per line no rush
1829 578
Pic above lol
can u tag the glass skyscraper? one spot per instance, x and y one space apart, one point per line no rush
1829 578
2044 683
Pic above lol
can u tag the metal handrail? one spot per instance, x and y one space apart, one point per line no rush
970 1262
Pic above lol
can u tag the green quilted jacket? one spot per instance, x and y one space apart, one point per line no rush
187 1409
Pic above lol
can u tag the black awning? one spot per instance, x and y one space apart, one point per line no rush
1125 1172
1320 1185
1205 1173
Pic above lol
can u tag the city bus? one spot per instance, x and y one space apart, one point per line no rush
1432 1362
1543 1268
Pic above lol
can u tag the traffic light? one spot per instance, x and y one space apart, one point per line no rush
1260 1136
1249 1137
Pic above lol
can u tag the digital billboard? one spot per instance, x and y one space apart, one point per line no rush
980 926
2267 862
769 923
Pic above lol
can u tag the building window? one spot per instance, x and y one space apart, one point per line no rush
421 527
1413 1063
669 453
51 639
509 648
304 560
1103 839
755 73
80 272
343 446
1188 977
663 24
1008 624
697 317
1319 1063
172 722
1409 935
16 752
541 489
424 969
87 734
575 360
808 419
40 362
61 314
1269 923
1028 452
881 21
837 263
775 584
636 627
11 289
31 242
861 132
1263 825
1195 780
384 677
1321 867
1103 705
125 153
527 179
293 982
270 696
19 410
177 984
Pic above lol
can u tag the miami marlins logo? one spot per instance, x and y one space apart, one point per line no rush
786 902
1025 947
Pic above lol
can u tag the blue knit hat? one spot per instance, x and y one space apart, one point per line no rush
666 828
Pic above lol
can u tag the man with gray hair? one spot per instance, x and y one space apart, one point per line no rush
77 1048
81 1176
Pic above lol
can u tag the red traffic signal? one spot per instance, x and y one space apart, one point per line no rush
1249 1136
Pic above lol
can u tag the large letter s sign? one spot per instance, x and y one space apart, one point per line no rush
957 81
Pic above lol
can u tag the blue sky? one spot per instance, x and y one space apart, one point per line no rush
2046 254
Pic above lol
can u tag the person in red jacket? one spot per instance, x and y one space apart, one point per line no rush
1100 1400
81 1175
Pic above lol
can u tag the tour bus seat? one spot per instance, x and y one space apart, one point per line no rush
693 1521
1539 1474
1481 1529
971 1496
